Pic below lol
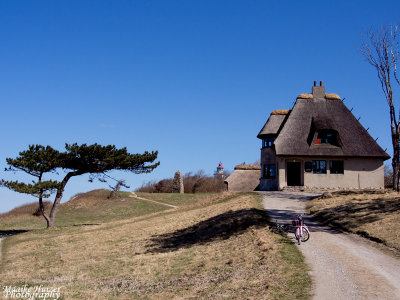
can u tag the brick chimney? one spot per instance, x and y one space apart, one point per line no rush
318 91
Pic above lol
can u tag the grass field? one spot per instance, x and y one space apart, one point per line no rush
93 207
374 215
213 246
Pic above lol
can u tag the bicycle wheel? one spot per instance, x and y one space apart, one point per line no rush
306 235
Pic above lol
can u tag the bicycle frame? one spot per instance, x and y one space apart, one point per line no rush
302 233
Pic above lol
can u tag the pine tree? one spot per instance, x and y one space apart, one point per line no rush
36 161
95 160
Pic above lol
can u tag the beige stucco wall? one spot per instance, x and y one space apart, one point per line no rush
358 174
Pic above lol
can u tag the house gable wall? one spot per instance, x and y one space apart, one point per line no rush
359 173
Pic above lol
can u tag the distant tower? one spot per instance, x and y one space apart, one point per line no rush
220 172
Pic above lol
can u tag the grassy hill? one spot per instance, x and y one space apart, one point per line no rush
373 214
211 246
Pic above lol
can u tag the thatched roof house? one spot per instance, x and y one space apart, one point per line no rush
319 144
244 178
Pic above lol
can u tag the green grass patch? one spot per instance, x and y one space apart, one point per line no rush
176 199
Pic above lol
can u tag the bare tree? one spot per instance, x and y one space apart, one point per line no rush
117 187
381 49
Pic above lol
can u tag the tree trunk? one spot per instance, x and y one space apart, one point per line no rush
42 210
395 129
395 165
58 198
395 159
41 206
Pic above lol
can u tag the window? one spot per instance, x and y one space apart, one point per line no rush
308 166
319 166
328 137
268 142
336 166
269 171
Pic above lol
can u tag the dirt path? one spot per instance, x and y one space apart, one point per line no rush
133 195
343 266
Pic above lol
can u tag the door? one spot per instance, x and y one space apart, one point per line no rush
294 173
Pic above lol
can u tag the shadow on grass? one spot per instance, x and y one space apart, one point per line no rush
4 233
220 227
353 214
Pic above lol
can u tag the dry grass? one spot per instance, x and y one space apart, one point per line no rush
93 207
374 215
215 247
30 209
25 216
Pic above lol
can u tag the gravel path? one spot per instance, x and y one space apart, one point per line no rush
343 266
133 195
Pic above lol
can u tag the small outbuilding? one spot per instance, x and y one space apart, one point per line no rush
244 178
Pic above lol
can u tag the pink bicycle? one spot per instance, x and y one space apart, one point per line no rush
302 233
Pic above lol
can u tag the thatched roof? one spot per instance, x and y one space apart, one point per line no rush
248 167
273 123
304 96
298 132
243 180
332 96
308 116
310 96
280 112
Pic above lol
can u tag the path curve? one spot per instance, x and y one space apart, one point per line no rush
343 265
133 195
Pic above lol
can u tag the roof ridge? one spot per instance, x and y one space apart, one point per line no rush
280 112
330 96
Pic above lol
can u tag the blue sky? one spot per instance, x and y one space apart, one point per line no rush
195 80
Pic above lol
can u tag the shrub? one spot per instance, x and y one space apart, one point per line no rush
388 177
197 182
209 185
147 187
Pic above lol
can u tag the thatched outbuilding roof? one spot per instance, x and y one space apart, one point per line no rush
248 167
244 178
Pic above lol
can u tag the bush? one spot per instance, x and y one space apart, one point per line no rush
197 182
209 185
147 187
388 177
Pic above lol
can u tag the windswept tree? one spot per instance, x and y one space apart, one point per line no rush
37 161
96 160
381 49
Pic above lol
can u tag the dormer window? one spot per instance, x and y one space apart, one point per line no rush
328 137
268 142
